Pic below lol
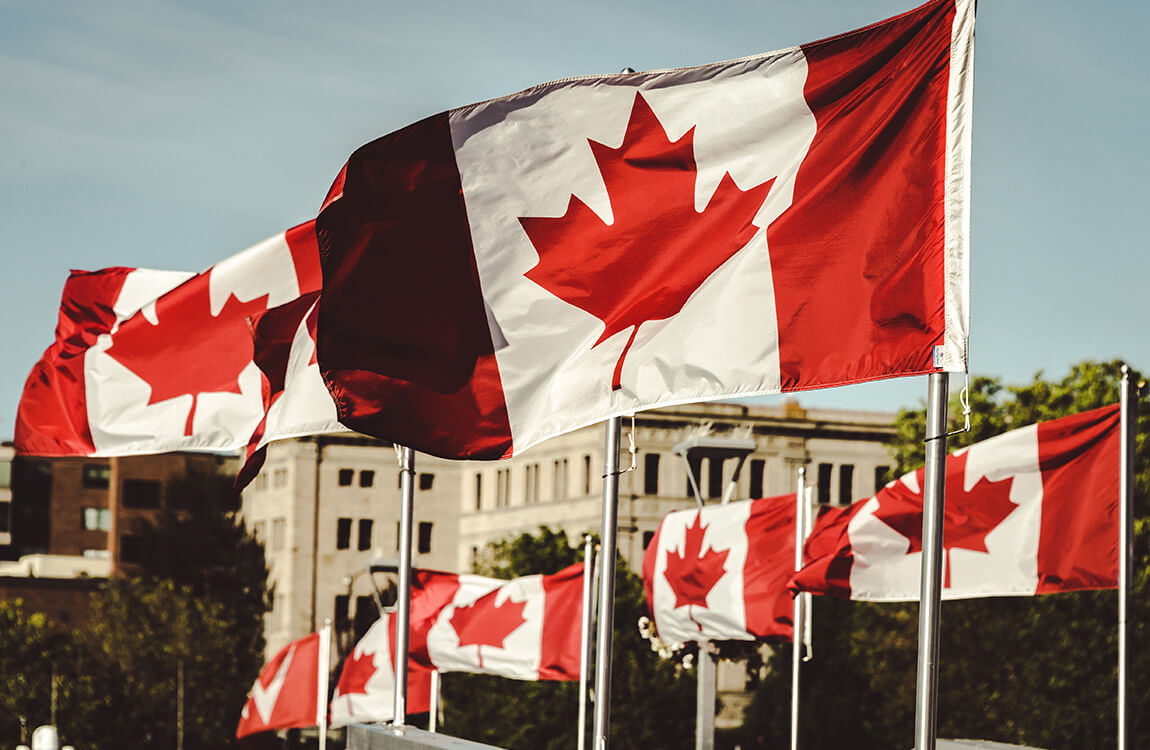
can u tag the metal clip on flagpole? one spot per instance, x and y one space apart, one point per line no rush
608 531
403 584
1129 419
930 596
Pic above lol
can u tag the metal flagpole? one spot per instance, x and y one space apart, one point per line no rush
324 672
433 715
1129 409
403 586
608 532
930 593
799 619
585 635
705 699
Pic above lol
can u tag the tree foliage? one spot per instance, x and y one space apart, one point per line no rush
652 701
1040 670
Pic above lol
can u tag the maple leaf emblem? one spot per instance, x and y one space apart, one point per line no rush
968 518
658 249
189 351
357 670
483 623
693 574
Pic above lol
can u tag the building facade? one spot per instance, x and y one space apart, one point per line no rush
327 507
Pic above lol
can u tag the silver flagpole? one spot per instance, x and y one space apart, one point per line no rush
798 621
585 635
433 715
324 672
1129 409
608 532
930 596
403 586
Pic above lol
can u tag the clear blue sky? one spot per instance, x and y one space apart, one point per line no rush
142 133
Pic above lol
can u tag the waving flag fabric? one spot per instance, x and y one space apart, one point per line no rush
1031 511
720 573
286 694
295 400
527 628
365 692
511 270
150 361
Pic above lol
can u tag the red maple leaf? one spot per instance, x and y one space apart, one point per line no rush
692 574
189 351
483 623
659 249
357 670
968 518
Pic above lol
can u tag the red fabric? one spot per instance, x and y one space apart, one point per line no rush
770 563
425 374
285 695
562 624
1078 545
52 419
852 296
827 554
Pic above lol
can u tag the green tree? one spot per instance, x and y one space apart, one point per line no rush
652 700
32 652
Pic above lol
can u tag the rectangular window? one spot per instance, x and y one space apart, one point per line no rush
715 478
343 533
140 493
366 478
531 485
280 478
880 477
96 476
846 484
586 475
97 519
131 549
426 481
279 529
757 467
478 491
424 537
340 615
647 537
5 514
824 482
364 541
502 488
559 479
695 469
365 614
651 474
345 477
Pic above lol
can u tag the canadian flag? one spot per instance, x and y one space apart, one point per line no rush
1031 511
287 692
151 361
508 271
296 401
721 572
366 689
527 628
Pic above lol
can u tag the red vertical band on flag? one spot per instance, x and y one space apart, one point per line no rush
850 295
1078 545
404 343
827 555
562 624
305 256
52 419
770 529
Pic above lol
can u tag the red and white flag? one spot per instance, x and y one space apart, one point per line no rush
508 271
720 573
527 628
287 692
365 692
296 401
151 361
1031 511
